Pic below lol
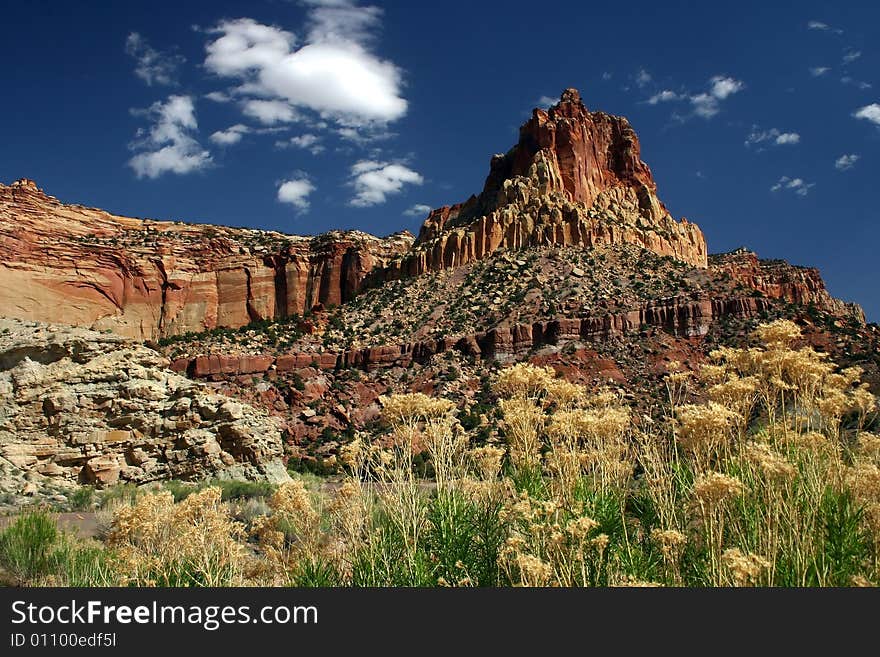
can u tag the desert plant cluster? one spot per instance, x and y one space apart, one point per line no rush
761 469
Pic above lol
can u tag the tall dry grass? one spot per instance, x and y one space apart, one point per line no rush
760 473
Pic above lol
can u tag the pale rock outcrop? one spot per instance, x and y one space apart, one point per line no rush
78 406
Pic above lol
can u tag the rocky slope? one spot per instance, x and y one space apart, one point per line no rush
77 406
145 279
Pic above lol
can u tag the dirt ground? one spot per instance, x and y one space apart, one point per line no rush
81 523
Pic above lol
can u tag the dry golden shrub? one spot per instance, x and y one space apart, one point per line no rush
193 542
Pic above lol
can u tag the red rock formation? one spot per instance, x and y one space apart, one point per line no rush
147 279
777 279
574 177
680 317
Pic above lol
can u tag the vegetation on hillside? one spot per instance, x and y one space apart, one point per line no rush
774 480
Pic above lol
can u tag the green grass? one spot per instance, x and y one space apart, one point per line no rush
26 547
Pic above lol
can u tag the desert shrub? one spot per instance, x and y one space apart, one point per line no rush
117 495
33 552
26 547
82 498
762 470
192 543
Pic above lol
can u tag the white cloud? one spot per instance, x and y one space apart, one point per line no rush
796 185
307 142
547 101
232 135
218 97
373 181
824 27
856 83
606 75
788 138
151 65
851 56
363 136
269 112
332 72
643 77
722 87
819 70
758 136
845 162
707 104
169 145
664 96
870 112
296 192
418 210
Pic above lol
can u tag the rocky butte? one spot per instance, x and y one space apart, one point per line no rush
574 178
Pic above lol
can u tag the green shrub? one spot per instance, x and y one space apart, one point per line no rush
82 498
26 547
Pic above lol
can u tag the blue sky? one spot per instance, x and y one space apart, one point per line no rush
761 123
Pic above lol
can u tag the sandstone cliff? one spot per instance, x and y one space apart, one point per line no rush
574 178
145 279
77 406
777 279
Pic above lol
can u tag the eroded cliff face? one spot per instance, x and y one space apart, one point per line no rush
574 178
777 279
146 279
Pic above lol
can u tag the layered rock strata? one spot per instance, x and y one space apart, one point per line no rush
77 406
575 177
147 279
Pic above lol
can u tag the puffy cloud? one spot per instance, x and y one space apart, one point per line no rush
307 142
816 71
664 96
788 138
707 104
846 162
374 181
547 101
722 87
269 112
773 136
851 56
418 210
169 145
151 65
869 112
296 192
796 185
218 97
332 72
232 135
